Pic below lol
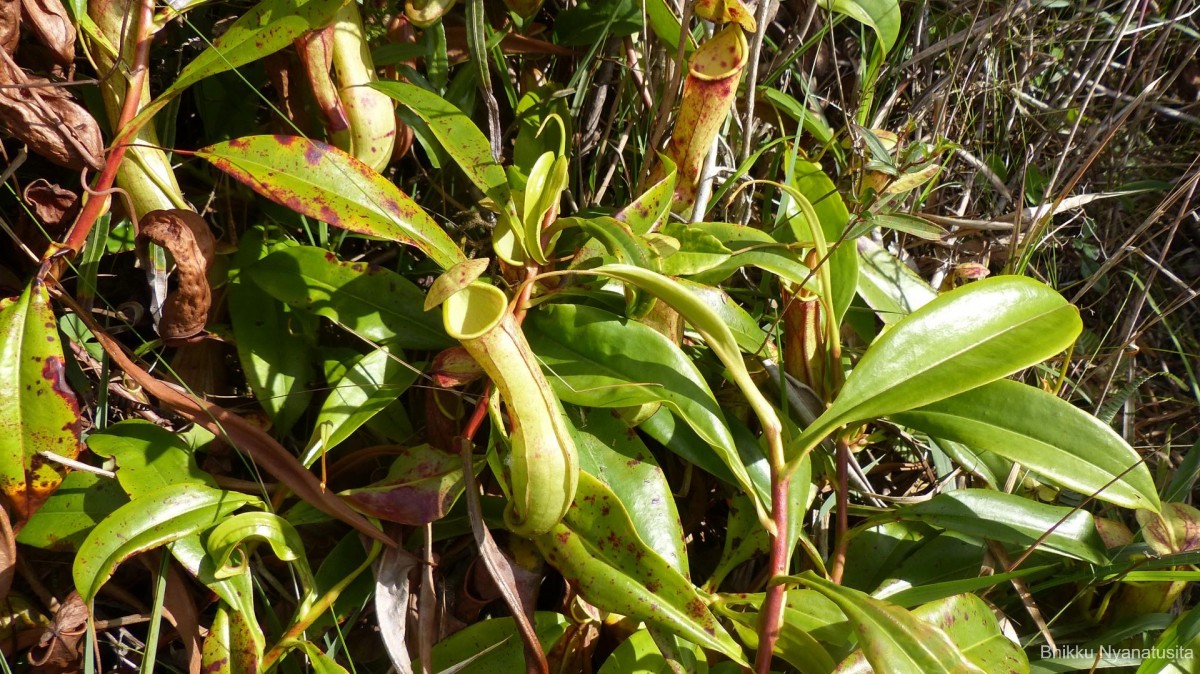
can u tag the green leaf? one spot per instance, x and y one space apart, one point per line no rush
597 359
264 29
369 301
233 535
698 251
665 24
599 552
711 327
640 655
624 245
274 352
752 248
963 339
811 121
882 16
148 457
321 662
809 179
581 25
66 518
494 645
1179 639
162 516
1045 434
370 384
971 627
892 639
909 224
459 136
794 645
654 204
616 456
1009 518
325 183
38 409
746 332
887 285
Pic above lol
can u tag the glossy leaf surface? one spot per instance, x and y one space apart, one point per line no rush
325 183
972 628
1012 519
892 639
611 452
1045 434
370 384
162 516
273 350
963 339
376 303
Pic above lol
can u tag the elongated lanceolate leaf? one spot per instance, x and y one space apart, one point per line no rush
971 626
965 338
38 410
883 16
1009 518
1045 434
325 183
459 136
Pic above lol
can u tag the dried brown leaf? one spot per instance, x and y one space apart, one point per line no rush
48 20
181 606
391 604
10 24
187 237
61 645
47 120
51 204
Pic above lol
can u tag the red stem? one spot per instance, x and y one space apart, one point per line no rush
771 615
843 515
95 207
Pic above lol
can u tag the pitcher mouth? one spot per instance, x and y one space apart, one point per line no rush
473 311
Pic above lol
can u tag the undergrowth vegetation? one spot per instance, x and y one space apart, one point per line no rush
599 336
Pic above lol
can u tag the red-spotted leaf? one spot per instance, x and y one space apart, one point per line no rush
323 182
599 552
892 639
420 487
38 410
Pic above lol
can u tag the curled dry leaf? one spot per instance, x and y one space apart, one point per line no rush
391 604
61 645
51 204
10 24
47 120
187 236
48 20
